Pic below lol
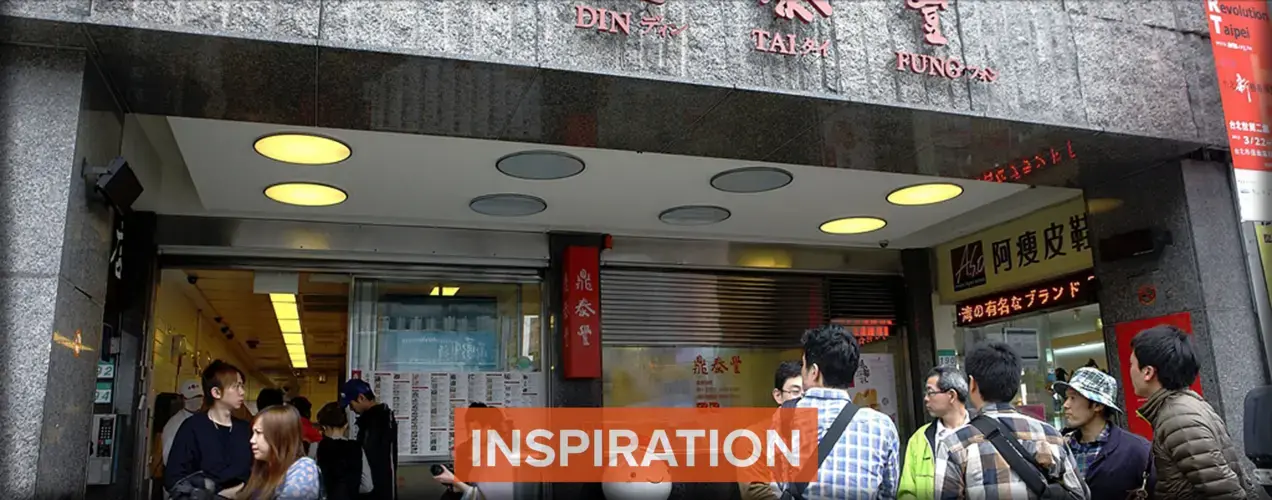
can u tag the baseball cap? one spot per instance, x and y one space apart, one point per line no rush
191 389
352 389
1095 385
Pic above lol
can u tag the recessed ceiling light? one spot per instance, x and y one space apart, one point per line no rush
306 194
751 180
302 149
507 205
540 165
925 194
853 225
694 215
1103 205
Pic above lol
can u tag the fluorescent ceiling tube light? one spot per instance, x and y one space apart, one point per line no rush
291 339
282 297
446 291
289 325
286 310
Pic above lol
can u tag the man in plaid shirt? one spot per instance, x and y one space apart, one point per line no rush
968 465
866 462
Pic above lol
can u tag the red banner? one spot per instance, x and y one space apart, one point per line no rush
1241 36
1127 331
581 322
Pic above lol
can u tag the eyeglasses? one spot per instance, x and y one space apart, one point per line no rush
929 392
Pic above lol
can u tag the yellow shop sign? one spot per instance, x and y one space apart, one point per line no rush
1051 242
1264 232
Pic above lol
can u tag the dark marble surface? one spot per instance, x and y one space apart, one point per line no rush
1201 272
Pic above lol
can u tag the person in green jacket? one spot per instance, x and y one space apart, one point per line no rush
945 398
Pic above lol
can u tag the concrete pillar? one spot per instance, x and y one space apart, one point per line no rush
920 326
54 248
1202 272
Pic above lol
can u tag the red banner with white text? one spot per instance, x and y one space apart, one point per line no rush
581 322
1241 37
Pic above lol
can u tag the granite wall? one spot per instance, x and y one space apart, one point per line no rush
54 244
1202 272
1140 67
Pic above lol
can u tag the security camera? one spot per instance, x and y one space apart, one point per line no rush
883 243
192 279
251 344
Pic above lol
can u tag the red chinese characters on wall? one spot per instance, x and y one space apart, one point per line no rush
614 23
581 314
788 43
1024 167
707 394
866 330
946 67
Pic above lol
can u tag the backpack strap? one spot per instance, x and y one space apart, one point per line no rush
1004 440
824 447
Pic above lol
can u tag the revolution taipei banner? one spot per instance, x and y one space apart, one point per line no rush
1241 36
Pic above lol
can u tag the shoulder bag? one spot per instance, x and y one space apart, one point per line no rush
795 491
1042 484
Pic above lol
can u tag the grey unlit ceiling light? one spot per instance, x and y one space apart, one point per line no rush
694 215
751 180
507 205
540 165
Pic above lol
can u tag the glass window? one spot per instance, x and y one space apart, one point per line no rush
1051 345
428 326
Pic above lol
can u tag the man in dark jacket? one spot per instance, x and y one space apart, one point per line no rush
1194 455
377 433
1115 463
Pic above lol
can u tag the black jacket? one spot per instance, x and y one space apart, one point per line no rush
377 433
340 461
1121 466
222 454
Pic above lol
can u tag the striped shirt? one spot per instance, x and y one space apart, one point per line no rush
968 466
866 461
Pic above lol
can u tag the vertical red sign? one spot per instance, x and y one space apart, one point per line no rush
1125 332
581 322
1241 37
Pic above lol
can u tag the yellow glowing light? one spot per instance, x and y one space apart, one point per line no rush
853 225
302 149
289 325
286 310
1103 205
282 297
293 339
925 194
299 364
445 291
305 194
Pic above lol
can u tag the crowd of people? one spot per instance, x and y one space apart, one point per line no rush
978 446
215 448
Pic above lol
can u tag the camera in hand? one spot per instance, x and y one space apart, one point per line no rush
437 469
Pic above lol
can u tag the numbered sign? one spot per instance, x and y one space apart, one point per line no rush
103 394
105 369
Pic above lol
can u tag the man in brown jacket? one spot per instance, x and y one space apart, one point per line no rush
1194 455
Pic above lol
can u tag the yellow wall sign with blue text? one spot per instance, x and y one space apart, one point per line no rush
1051 242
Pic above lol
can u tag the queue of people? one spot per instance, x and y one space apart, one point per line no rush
978 446
277 454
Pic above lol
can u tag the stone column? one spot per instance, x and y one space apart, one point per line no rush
920 325
54 248
1203 271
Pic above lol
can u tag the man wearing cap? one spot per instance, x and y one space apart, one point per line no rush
1115 463
377 433
192 402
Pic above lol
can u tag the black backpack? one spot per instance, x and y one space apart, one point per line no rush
340 462
196 486
1040 482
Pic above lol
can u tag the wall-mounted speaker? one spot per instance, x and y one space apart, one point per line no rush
119 185
1134 244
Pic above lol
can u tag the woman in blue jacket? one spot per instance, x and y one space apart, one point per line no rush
1115 463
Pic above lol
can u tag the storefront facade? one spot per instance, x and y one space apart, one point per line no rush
960 92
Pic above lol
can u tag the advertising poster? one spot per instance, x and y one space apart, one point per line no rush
687 377
1241 38
1127 331
876 385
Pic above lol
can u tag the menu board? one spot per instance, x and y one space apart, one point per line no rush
424 403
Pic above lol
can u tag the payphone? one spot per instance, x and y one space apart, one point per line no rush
101 454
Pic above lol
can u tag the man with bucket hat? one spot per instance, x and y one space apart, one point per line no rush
1115 463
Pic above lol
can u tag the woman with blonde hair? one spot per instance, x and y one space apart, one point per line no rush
281 471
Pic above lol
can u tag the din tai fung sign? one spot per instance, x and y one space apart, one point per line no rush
1067 291
1045 244
649 20
581 314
